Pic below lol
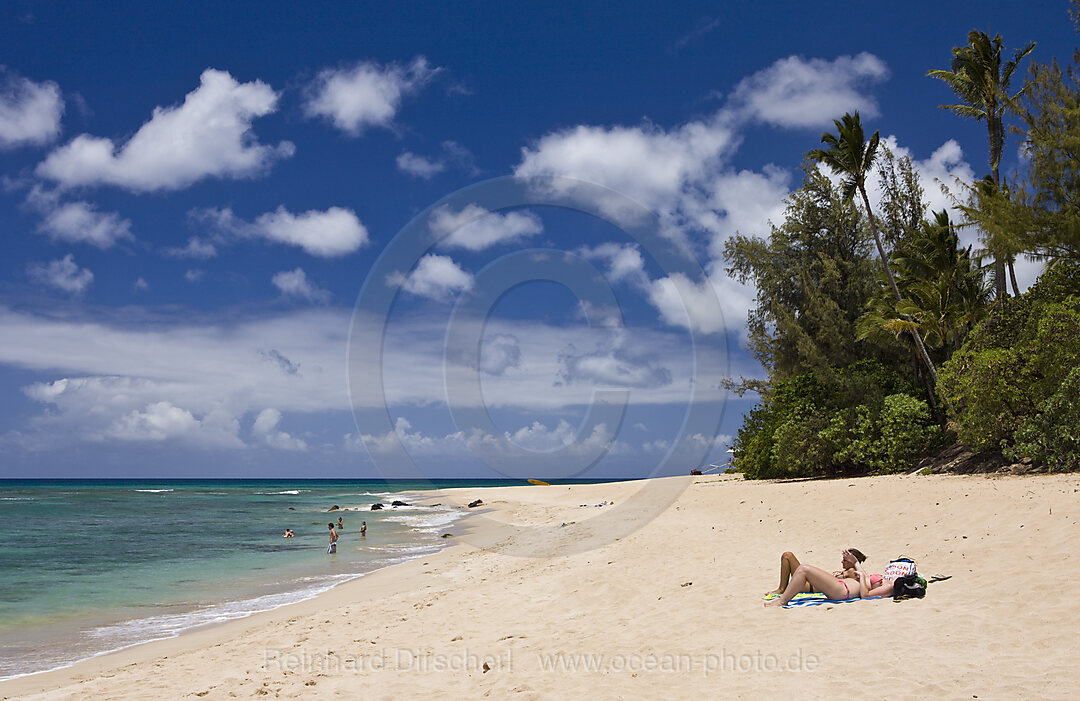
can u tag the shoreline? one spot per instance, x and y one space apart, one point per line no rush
218 607
137 652
685 585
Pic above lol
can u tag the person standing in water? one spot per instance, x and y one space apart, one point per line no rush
363 528
333 540
340 524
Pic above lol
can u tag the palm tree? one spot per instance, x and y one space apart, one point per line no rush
992 209
850 155
944 289
979 78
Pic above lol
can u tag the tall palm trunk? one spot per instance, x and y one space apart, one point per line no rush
1000 284
892 283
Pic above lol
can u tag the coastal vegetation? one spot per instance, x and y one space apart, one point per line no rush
882 335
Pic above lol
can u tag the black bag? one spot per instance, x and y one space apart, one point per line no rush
910 587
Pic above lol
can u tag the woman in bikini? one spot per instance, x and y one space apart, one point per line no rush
837 588
789 563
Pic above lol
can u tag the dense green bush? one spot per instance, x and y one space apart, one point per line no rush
1006 384
1052 436
864 419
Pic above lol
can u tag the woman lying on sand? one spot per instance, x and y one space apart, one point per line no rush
789 563
836 588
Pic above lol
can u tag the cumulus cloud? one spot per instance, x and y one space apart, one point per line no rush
537 437
646 163
684 175
418 166
366 94
499 353
63 274
163 421
475 228
294 283
194 274
77 221
209 135
624 261
945 166
796 92
435 277
326 234
265 429
743 201
29 112
693 305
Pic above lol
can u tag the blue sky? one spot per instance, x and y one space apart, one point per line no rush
195 200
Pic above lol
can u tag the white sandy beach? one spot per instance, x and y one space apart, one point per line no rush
671 609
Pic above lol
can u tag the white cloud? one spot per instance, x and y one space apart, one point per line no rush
163 421
499 353
645 163
294 283
688 304
418 166
808 93
366 94
614 363
265 429
209 135
194 274
435 277
98 374
425 167
683 174
29 112
335 232
745 202
327 234
77 222
474 228
195 248
63 274
624 261
945 166
537 437
140 285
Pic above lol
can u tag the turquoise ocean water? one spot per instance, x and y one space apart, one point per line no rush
89 566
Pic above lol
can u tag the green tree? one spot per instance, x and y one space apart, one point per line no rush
979 77
851 155
1012 369
813 275
944 291
1050 208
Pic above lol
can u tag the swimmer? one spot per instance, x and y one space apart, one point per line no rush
333 540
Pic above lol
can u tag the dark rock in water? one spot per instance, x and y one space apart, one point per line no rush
335 507
292 508
398 503
376 507
478 502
